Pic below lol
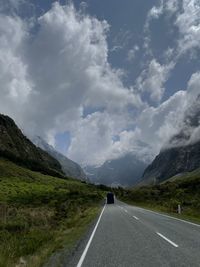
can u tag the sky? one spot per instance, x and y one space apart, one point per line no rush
98 79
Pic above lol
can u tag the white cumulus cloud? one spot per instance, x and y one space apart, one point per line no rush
57 72
153 78
55 77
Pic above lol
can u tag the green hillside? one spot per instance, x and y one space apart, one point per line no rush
16 147
182 189
40 214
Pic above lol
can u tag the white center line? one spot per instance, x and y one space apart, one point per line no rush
168 240
135 217
90 240
125 210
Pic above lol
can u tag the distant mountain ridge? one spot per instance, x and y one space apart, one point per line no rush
125 171
182 153
69 167
15 146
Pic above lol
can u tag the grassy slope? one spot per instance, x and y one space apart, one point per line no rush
183 190
40 214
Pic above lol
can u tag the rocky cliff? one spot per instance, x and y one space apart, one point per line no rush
182 153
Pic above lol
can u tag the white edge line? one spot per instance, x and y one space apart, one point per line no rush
135 217
90 240
164 215
168 240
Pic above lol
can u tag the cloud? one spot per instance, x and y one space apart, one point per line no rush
92 134
116 48
179 116
186 19
68 63
152 130
131 142
188 23
175 122
169 8
155 12
164 8
57 68
15 82
55 77
153 78
101 133
121 40
194 86
158 124
189 125
182 16
132 53
11 5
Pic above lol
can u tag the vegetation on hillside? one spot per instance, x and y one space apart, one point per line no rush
15 146
40 214
183 189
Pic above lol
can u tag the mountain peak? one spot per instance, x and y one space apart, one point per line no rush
69 167
124 171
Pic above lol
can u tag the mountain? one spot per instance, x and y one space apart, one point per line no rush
15 146
171 162
69 167
124 171
182 153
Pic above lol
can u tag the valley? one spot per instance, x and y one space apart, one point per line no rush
99 133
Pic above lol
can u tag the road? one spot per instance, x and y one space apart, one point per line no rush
127 236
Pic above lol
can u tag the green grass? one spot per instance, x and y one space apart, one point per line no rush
40 214
183 189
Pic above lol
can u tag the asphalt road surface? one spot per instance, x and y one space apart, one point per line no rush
127 236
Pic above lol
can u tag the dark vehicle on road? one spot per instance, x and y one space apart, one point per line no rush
110 198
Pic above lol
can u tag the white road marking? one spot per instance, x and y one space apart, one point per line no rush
135 217
125 210
90 240
168 240
167 216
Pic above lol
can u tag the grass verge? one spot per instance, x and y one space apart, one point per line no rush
183 190
165 211
40 214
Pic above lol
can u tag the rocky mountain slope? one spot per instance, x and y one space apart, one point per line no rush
171 162
124 171
69 167
15 146
182 153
